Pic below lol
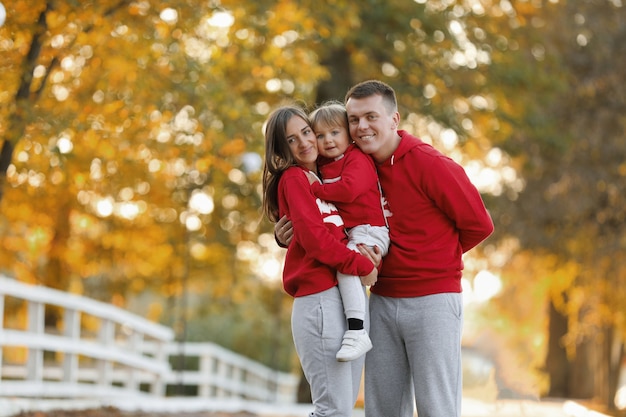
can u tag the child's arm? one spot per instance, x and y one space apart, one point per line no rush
312 177
358 176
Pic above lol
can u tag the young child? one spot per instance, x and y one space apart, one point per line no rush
351 183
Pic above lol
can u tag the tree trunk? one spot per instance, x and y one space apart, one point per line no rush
616 359
593 373
340 68
6 154
557 364
584 370
17 120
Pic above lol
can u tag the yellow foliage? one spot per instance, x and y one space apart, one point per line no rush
137 285
239 295
55 19
80 180
134 9
233 147
16 314
90 323
162 29
25 272
223 165
114 106
15 354
118 300
263 71
199 251
155 311
76 287
204 164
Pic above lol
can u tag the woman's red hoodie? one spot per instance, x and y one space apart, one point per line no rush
318 248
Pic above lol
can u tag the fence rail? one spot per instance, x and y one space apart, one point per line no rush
103 351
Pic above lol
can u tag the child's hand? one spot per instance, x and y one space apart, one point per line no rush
312 177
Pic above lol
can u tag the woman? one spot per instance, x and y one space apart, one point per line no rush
317 250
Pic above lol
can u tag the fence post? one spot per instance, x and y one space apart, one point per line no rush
36 325
133 342
105 336
239 384
222 375
72 331
159 385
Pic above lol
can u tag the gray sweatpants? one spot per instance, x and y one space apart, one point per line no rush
318 324
416 355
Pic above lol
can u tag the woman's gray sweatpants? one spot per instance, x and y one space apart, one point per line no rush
416 354
318 324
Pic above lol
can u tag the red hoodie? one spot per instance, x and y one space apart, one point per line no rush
351 183
318 248
436 215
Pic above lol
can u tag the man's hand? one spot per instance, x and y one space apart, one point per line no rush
371 278
283 230
373 254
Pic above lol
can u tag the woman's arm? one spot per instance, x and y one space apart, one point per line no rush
318 228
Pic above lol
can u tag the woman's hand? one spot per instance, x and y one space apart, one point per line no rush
283 231
371 278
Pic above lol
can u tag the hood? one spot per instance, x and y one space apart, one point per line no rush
407 142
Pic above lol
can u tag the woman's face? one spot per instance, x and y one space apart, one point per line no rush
302 142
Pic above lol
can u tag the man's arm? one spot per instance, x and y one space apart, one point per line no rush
453 192
283 232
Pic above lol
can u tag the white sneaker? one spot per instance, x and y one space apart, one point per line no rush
355 343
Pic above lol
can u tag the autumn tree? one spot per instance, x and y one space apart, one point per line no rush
129 143
561 98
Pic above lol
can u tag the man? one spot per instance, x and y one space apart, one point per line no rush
416 307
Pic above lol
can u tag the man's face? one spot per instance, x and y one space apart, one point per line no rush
372 128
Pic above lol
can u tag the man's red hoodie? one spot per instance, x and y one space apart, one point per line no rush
436 215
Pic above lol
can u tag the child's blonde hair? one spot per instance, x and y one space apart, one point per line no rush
330 113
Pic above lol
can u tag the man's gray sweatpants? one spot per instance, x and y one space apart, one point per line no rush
415 340
318 324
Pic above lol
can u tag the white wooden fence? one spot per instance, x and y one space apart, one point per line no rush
125 356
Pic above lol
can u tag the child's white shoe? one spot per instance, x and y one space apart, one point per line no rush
355 343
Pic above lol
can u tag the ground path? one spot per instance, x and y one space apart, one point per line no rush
112 412
470 409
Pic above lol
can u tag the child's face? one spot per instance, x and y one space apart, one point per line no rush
332 141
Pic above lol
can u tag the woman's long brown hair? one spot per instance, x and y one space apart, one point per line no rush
278 156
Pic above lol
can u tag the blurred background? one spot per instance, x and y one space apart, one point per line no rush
131 155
